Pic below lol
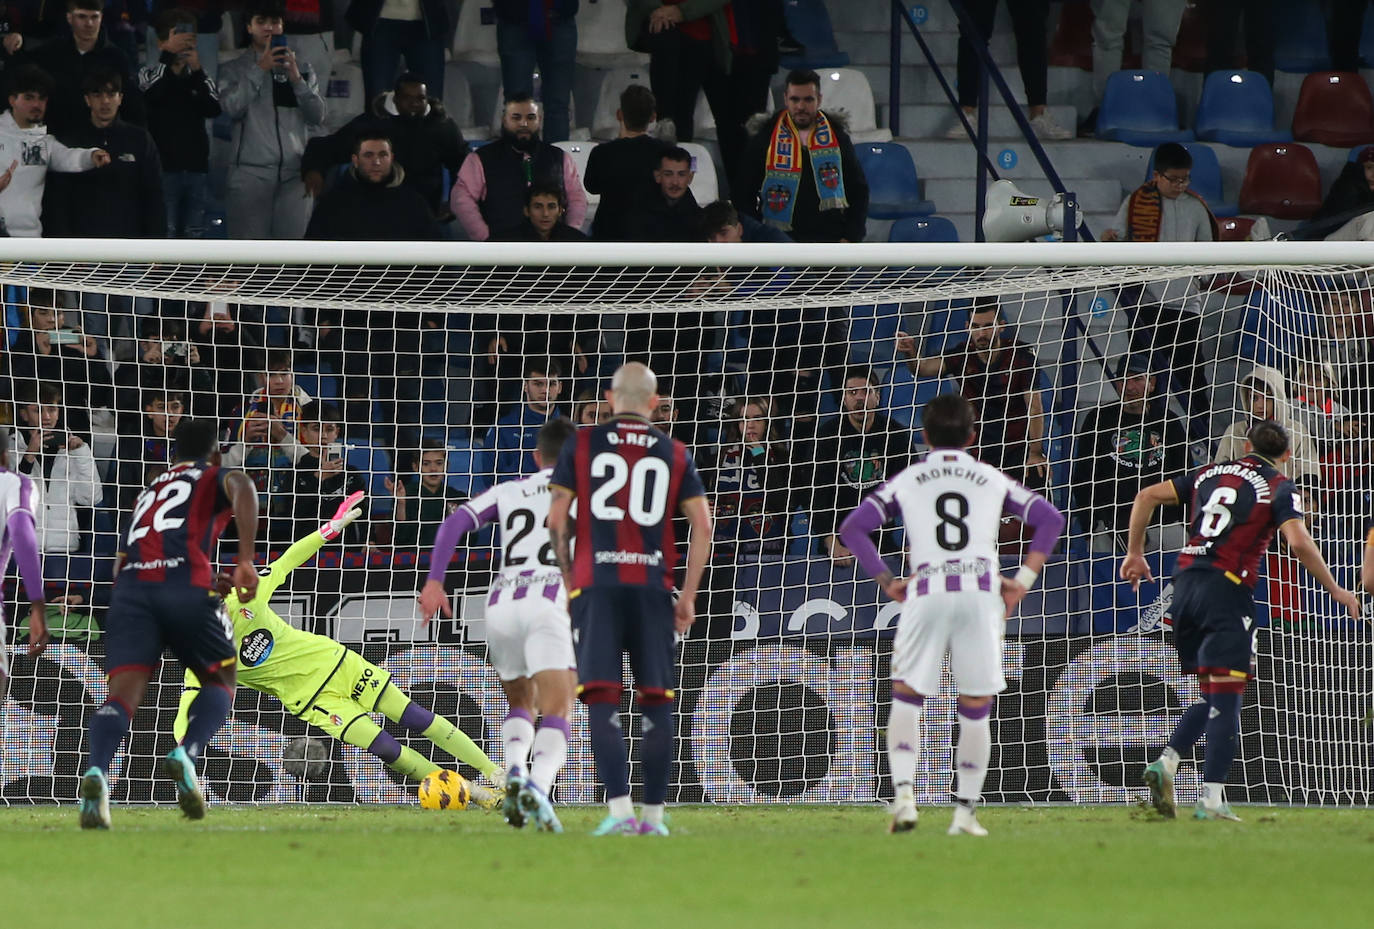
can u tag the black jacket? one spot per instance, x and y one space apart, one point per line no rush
809 222
622 172
68 67
178 106
359 211
657 220
122 200
1119 455
303 501
423 146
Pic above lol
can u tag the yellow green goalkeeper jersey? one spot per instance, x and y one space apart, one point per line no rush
274 657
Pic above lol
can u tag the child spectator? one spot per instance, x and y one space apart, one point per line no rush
62 468
514 436
265 437
319 482
424 501
590 410
145 452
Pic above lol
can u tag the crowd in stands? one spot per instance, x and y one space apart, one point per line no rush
93 146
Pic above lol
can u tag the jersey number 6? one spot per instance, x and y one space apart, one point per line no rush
648 480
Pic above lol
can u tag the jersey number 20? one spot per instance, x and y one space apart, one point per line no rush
648 481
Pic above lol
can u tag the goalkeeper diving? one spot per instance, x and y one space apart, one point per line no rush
330 686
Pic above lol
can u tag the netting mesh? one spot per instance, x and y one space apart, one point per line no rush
798 389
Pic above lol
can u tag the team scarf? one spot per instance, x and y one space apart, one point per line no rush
782 177
1145 214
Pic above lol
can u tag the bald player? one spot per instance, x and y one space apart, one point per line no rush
630 480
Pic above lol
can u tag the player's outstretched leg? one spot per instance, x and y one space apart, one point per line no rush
398 708
972 756
1159 774
903 750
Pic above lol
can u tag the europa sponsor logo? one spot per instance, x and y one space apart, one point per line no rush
255 648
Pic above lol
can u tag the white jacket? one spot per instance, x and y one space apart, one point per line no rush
74 482
37 153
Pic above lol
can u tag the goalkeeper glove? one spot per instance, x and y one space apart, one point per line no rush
345 514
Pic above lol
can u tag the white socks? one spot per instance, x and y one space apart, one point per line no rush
903 743
971 758
622 807
1169 758
550 754
517 735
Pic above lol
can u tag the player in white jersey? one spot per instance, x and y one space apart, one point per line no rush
954 601
529 634
19 538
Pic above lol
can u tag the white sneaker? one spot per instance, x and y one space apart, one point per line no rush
903 816
957 132
1046 128
965 822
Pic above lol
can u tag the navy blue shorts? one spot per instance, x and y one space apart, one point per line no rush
146 618
609 622
1214 624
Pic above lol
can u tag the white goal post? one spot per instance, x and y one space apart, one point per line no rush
439 358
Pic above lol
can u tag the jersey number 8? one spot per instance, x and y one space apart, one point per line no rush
648 480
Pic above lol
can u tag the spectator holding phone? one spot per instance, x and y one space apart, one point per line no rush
320 480
274 105
60 464
47 350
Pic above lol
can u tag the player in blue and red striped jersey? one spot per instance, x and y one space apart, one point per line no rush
629 481
164 596
19 538
1235 508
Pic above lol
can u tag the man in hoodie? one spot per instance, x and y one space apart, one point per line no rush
180 98
373 203
489 196
28 152
1124 446
1261 395
71 58
425 141
273 105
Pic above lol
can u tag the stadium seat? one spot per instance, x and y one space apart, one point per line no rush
463 468
1334 109
1281 180
613 85
894 191
1300 42
1367 43
705 186
1206 178
1138 108
1237 108
923 229
601 37
1355 150
1235 228
905 394
873 331
580 151
1071 46
344 97
474 40
375 466
809 23
847 90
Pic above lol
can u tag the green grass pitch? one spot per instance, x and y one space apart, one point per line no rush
346 867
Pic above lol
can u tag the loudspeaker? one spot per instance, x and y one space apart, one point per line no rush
1012 216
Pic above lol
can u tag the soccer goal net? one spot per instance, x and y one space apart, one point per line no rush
797 375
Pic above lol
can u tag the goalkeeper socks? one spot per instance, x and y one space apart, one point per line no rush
1189 729
550 751
457 743
656 751
517 735
608 745
206 716
904 738
108 726
975 750
1223 725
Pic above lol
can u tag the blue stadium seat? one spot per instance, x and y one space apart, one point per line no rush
872 331
1138 108
905 395
1206 178
1276 327
375 465
923 229
894 191
809 23
464 469
1300 42
1237 108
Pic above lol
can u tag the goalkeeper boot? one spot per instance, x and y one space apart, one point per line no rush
1161 784
1221 811
965 822
612 826
510 807
535 804
485 797
95 800
903 816
178 766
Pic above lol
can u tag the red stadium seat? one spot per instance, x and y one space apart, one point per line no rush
1235 228
1334 108
1281 180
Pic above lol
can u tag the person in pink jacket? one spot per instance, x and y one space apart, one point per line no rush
489 196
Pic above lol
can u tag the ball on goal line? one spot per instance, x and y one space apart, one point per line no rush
444 790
